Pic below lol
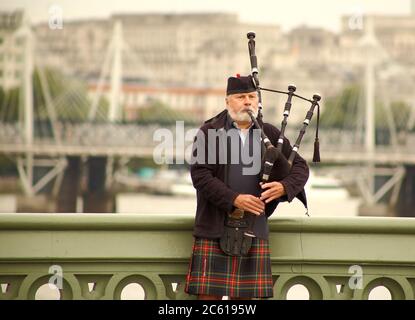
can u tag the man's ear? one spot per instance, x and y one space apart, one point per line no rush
227 101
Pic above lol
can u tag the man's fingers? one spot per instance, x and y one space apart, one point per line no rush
271 198
256 205
251 203
274 191
257 202
266 194
267 185
256 212
253 209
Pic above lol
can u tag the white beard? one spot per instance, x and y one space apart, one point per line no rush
242 115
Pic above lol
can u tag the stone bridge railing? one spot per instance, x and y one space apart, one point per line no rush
106 256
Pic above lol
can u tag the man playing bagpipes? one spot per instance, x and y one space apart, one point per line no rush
235 197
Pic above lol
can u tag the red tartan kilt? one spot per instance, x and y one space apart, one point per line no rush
212 272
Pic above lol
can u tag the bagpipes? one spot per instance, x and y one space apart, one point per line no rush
238 232
275 166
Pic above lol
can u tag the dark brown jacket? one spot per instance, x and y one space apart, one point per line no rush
215 199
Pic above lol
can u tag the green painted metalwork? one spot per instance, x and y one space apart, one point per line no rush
100 254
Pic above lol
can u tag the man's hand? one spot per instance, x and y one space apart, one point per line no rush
249 203
275 191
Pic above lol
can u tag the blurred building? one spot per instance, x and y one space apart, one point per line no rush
11 49
396 37
164 49
183 60
396 34
314 58
198 103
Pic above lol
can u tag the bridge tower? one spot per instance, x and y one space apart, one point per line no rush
36 173
379 181
53 184
98 196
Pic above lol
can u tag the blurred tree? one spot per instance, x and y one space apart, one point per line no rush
335 113
346 110
69 97
9 104
159 113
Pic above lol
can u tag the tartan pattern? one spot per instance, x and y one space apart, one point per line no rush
212 272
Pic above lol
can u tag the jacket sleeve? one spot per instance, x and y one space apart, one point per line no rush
203 167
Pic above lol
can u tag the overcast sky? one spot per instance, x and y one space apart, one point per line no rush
287 14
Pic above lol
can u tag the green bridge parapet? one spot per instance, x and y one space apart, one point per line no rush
98 255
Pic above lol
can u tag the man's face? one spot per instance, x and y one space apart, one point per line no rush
238 103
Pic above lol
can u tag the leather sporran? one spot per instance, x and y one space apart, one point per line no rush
234 242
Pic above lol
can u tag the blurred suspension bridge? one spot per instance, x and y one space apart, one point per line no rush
51 153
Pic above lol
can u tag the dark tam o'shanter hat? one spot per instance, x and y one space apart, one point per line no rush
240 84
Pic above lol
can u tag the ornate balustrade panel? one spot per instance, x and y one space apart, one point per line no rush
103 256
